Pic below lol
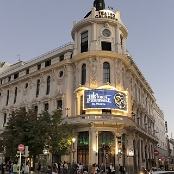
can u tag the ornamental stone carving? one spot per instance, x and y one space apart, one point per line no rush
19 86
42 80
65 71
74 75
93 63
53 75
30 82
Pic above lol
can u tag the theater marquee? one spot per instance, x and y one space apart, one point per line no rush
105 99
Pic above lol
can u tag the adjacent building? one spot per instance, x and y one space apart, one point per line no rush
100 89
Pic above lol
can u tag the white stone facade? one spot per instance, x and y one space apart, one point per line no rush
61 70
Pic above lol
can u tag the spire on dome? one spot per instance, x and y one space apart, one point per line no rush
99 5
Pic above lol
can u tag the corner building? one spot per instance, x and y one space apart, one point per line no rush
98 86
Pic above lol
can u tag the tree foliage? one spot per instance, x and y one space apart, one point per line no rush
38 132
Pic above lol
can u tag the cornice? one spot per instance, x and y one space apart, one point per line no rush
101 54
36 73
88 21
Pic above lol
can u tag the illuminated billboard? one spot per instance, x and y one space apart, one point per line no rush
105 99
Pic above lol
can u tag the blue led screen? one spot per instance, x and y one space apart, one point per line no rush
109 99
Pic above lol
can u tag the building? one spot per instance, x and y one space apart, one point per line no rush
99 87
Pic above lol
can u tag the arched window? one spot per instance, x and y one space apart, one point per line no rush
37 87
106 143
83 148
7 97
48 85
5 119
15 96
106 72
83 74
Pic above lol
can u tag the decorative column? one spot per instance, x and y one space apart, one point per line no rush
117 32
93 158
93 43
75 44
139 153
124 45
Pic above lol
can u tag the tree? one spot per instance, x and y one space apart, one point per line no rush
38 132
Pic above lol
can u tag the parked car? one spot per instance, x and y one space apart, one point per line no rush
154 169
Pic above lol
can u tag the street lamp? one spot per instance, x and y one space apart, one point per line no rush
73 151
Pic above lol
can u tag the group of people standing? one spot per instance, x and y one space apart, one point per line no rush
57 168
13 168
108 169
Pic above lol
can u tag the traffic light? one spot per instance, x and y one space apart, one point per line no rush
26 151
106 156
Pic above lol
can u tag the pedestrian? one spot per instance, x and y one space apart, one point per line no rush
112 168
3 168
23 168
80 168
11 169
26 169
65 169
124 169
39 167
49 170
61 167
54 170
75 167
15 168
93 169
120 169
102 168
97 170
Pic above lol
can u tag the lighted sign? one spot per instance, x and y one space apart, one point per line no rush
105 99
106 14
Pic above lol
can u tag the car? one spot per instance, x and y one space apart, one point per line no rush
154 169
163 172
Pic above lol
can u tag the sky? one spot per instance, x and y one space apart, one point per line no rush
30 28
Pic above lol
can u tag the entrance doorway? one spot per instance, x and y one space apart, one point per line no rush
106 142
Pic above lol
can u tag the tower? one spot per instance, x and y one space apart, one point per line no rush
99 5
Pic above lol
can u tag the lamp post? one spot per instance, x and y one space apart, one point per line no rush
73 141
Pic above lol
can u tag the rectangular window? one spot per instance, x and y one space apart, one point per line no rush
39 67
61 57
106 111
27 71
47 63
106 46
82 112
46 107
84 42
59 104
16 75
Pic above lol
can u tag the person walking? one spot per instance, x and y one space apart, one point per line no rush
3 168
102 168
49 170
39 167
93 169
112 168
15 168
26 169
54 170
